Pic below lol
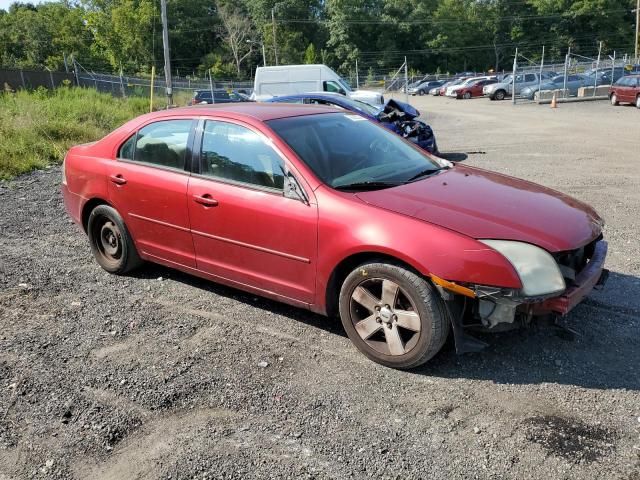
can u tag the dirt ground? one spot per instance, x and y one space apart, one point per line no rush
162 375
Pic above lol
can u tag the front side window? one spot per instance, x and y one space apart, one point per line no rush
161 143
347 151
331 86
233 152
529 77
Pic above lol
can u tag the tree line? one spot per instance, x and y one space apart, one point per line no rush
229 37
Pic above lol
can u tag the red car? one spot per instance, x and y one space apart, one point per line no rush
327 211
626 90
475 89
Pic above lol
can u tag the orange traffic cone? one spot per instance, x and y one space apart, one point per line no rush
554 102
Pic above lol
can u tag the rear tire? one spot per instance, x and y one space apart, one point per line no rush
392 315
614 100
111 242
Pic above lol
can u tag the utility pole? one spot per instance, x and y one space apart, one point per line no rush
637 26
357 78
515 67
167 58
540 74
264 55
273 23
567 59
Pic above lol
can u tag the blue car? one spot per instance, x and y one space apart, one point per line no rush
399 117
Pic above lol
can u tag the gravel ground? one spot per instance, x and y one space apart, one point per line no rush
162 375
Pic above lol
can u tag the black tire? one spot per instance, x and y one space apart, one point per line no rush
420 92
111 242
415 299
499 95
614 100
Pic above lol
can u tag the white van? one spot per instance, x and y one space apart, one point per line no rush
293 79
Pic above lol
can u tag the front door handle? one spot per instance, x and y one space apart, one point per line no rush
205 200
118 179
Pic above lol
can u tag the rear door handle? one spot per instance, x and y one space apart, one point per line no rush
205 200
118 179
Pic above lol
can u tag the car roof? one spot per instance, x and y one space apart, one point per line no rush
257 110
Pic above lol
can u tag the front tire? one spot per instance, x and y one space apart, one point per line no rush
392 315
421 92
111 242
614 100
499 95
467 95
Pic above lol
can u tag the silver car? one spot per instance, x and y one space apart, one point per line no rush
574 82
503 89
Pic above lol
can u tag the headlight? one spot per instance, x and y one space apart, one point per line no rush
538 271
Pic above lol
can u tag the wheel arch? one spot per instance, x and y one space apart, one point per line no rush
346 266
88 207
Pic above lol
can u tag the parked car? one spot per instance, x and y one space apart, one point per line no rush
451 84
219 96
293 79
452 89
504 89
436 91
474 89
399 117
605 76
626 90
574 82
329 212
422 88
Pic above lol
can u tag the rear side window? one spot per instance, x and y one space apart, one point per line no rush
529 77
127 148
161 143
236 153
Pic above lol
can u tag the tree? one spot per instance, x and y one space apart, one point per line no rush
310 55
237 33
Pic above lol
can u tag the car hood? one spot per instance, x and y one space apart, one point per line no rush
409 112
487 205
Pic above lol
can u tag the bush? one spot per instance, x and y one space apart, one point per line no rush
38 127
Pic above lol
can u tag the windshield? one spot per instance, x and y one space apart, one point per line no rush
346 150
344 85
361 106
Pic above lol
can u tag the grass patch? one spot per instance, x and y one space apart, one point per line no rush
38 127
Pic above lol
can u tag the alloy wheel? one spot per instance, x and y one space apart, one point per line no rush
385 317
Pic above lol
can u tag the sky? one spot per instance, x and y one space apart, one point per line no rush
4 4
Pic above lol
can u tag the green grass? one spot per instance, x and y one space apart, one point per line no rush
38 127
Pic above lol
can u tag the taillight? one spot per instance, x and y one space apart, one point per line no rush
64 170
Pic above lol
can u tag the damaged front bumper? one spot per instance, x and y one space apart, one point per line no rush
493 306
593 275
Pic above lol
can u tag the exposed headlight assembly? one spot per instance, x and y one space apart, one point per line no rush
538 271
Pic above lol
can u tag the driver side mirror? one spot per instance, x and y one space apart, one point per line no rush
293 190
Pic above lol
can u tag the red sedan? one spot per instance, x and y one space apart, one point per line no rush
626 90
330 212
475 89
